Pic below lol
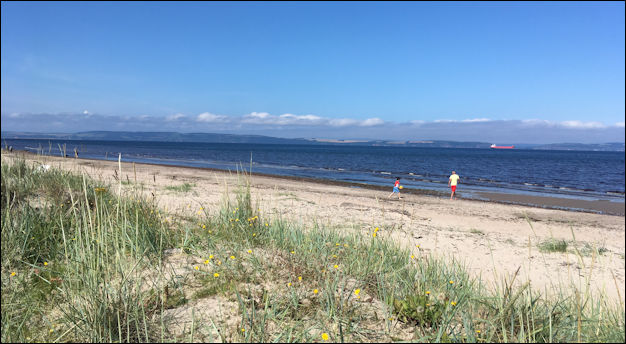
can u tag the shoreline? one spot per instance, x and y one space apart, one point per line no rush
602 207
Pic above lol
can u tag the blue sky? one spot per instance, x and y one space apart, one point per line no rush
524 72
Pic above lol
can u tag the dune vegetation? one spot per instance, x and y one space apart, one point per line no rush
94 262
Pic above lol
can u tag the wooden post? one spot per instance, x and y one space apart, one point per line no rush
119 162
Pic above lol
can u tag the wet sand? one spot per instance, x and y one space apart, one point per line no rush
601 206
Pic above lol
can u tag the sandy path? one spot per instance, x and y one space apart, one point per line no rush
493 240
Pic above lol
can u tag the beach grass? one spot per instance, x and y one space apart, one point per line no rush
185 187
553 245
81 262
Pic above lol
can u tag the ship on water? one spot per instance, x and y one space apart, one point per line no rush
501 147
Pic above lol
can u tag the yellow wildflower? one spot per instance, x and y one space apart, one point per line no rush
300 278
336 266
249 251
203 226
453 303
211 257
325 336
451 282
289 284
412 257
374 235
196 267
232 257
206 262
315 291
357 292
13 273
216 275
45 263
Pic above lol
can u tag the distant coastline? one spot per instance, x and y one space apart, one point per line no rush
232 138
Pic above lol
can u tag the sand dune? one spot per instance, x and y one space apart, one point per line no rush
494 240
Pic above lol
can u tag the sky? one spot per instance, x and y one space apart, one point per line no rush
501 72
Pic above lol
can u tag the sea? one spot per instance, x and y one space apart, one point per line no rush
585 175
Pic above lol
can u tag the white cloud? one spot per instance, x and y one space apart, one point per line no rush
175 117
370 122
85 112
342 122
476 120
535 121
564 124
471 120
417 122
260 115
619 124
582 125
211 118
284 119
311 118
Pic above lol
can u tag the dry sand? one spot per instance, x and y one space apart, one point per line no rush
493 240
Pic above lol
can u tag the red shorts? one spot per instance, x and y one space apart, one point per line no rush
453 187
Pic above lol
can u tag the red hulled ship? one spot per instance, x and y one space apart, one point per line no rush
502 147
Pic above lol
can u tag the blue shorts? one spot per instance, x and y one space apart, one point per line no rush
396 190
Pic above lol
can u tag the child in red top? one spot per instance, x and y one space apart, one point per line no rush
396 188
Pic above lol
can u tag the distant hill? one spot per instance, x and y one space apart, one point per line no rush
155 136
228 138
260 139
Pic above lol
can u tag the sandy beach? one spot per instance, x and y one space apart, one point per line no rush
494 240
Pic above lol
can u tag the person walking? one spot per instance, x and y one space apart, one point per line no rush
452 182
396 188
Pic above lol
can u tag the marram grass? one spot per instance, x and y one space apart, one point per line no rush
75 256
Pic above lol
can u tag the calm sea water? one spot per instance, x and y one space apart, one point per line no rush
582 175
